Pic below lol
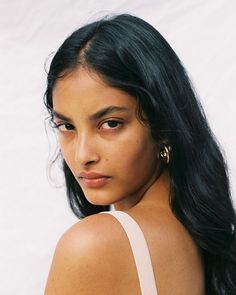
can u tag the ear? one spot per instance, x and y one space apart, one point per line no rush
165 154
162 141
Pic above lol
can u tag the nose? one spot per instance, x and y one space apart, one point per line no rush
85 150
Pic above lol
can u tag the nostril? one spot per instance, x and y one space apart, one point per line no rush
89 162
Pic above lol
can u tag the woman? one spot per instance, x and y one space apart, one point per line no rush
132 135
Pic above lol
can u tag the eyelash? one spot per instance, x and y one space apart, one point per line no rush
70 127
116 121
58 125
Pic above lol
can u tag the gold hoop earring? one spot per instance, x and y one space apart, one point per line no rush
164 153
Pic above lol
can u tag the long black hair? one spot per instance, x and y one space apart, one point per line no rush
131 55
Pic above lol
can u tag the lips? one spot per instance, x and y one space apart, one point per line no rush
93 179
92 175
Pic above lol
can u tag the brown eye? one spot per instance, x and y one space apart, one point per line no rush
68 126
63 127
112 124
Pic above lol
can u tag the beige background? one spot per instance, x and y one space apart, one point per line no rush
33 213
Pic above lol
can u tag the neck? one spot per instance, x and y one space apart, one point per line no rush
156 194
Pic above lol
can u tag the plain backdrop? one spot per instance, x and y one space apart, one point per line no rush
33 212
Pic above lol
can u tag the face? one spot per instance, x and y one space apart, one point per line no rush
109 151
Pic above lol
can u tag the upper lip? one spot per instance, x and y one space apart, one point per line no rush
91 175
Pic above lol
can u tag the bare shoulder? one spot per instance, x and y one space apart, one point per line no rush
84 260
90 231
94 257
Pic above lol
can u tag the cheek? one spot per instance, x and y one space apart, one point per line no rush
136 158
66 151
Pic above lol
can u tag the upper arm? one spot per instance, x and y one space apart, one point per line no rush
80 258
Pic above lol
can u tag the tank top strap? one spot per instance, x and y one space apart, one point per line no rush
140 252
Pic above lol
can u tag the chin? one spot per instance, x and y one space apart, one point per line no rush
100 199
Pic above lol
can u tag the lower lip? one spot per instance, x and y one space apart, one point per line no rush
96 182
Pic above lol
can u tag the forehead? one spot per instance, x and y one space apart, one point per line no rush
84 91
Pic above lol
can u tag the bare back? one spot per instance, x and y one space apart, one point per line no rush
176 261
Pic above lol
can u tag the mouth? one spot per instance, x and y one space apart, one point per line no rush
94 182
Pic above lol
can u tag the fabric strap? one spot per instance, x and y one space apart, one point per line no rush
140 252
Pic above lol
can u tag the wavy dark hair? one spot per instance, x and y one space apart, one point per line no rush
129 54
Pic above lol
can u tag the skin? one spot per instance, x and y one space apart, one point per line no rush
97 246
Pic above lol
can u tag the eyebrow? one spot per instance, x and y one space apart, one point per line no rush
98 115
106 111
60 116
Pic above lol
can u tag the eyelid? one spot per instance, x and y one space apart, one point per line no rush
120 122
59 124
